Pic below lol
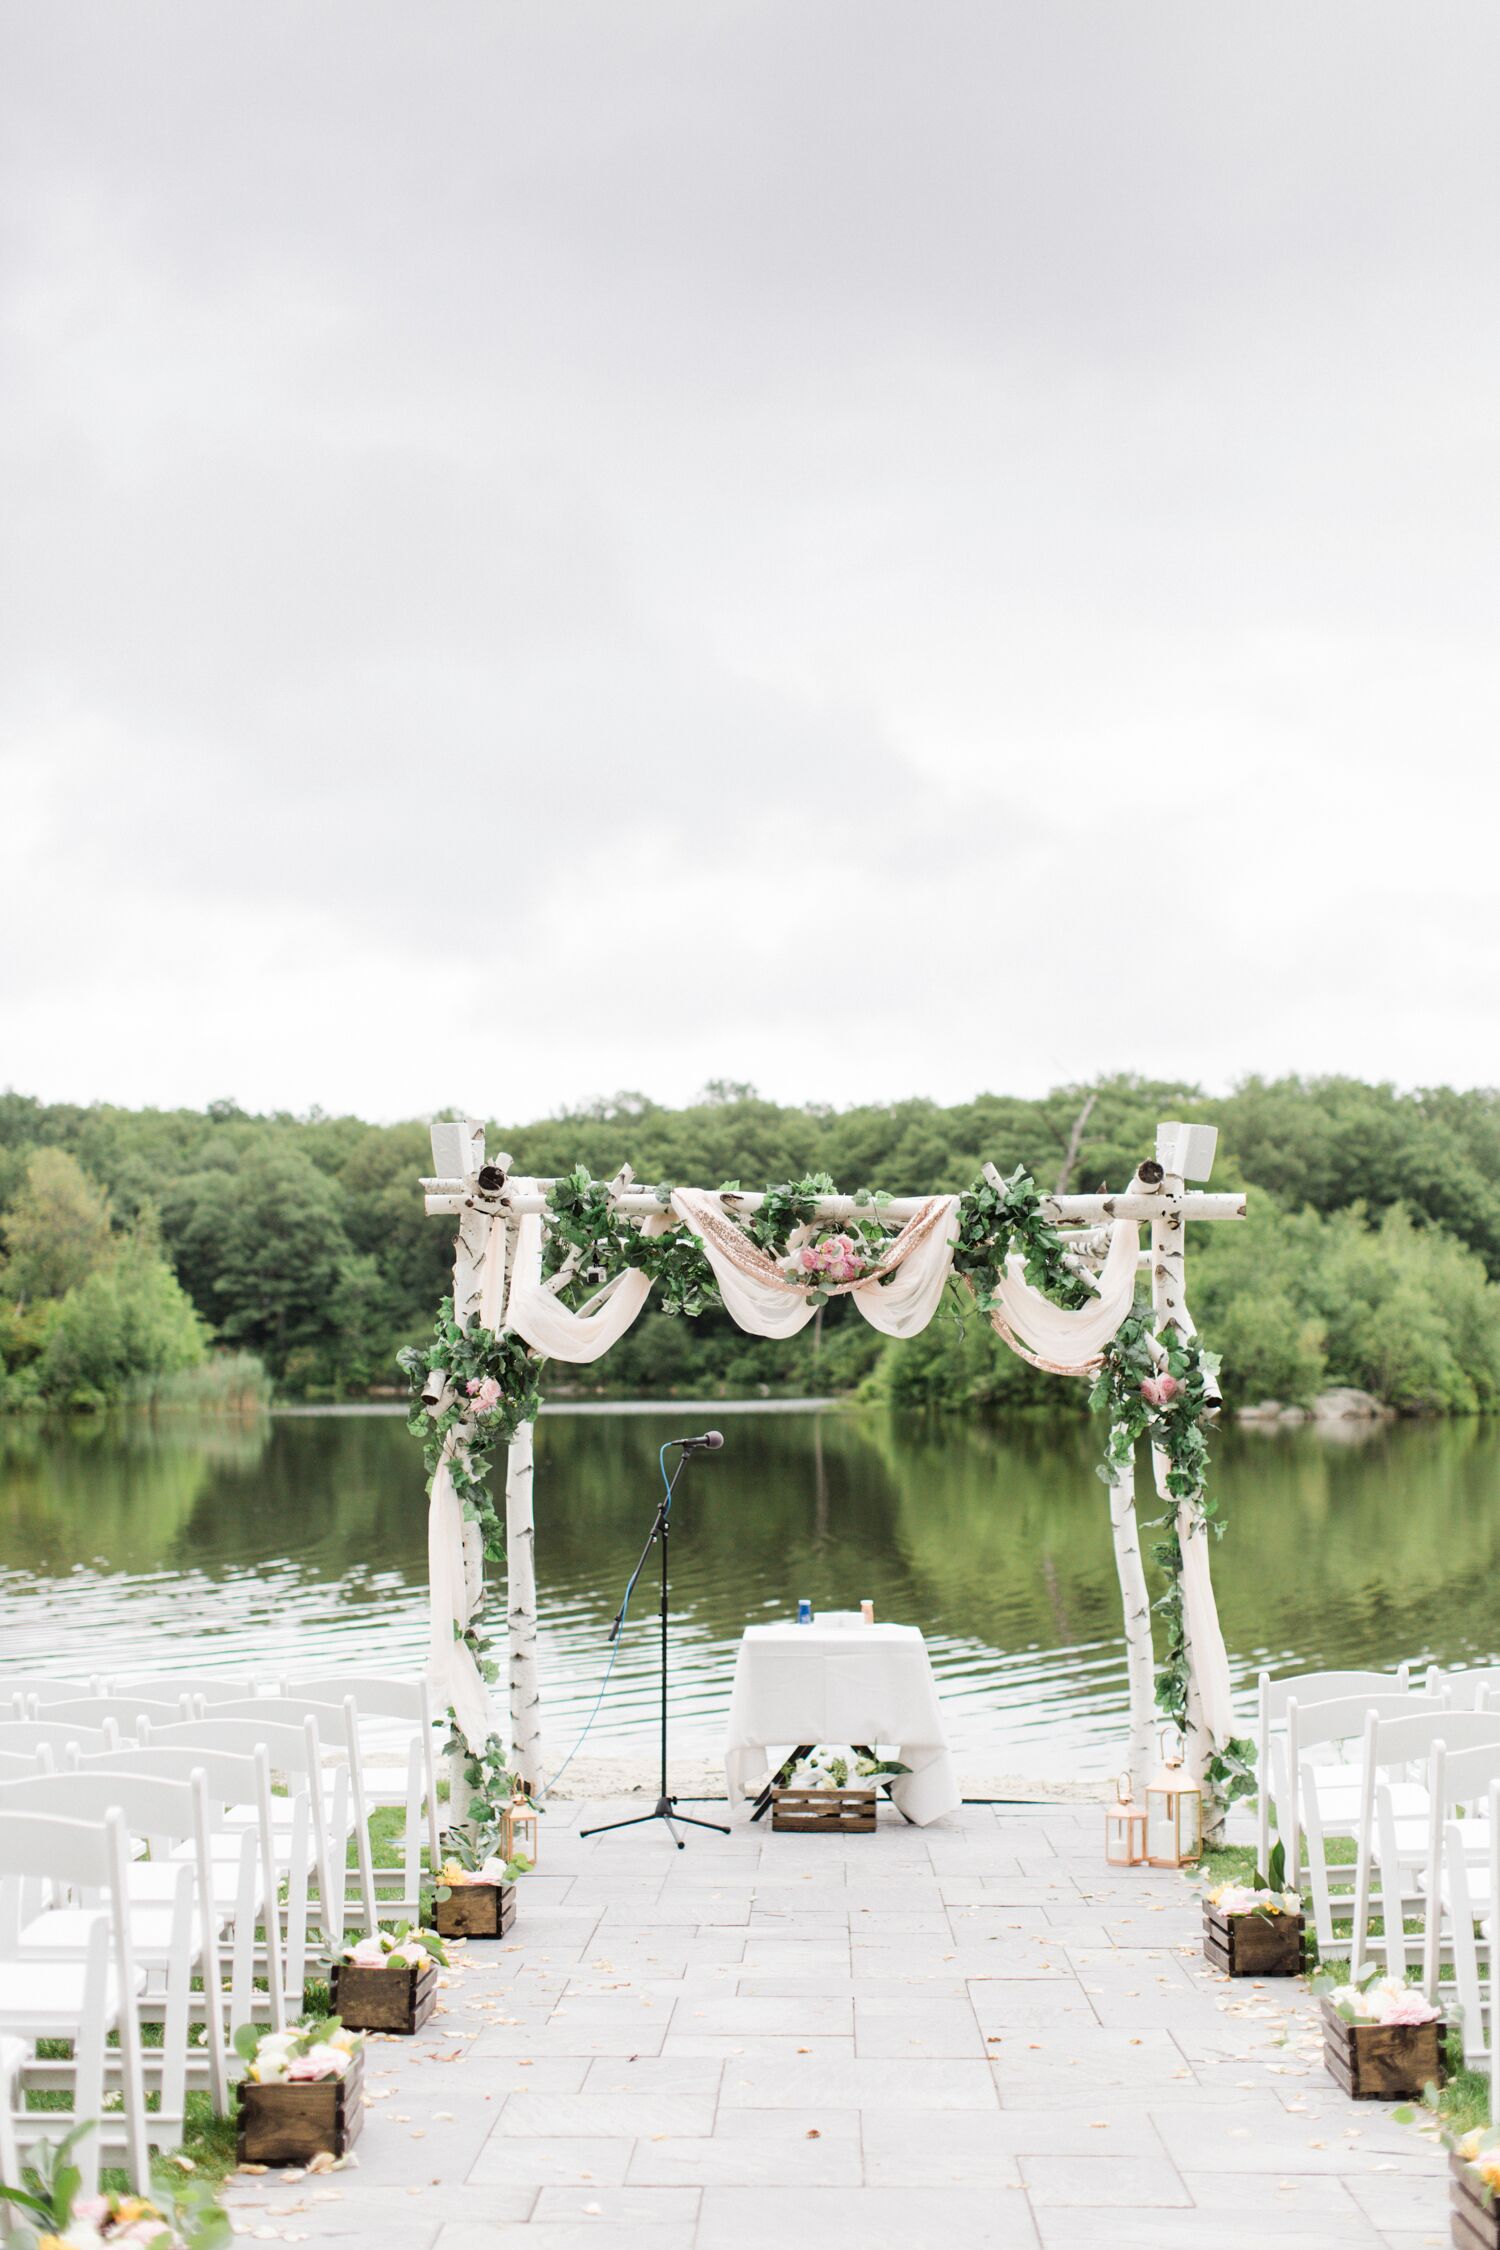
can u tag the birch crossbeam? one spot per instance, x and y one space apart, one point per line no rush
452 1196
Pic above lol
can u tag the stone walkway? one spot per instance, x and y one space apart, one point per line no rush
965 2035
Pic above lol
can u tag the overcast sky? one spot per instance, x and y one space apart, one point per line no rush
872 548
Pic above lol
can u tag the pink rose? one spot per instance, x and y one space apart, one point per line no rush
1159 1390
487 1397
1411 2007
810 1260
472 1385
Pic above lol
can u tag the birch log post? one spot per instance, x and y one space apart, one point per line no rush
520 1607
1140 1656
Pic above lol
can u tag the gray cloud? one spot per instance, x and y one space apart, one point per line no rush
872 548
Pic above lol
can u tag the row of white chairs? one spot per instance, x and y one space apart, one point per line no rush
389 1741
150 1871
1407 1773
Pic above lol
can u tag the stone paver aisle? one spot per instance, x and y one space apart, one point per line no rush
973 2034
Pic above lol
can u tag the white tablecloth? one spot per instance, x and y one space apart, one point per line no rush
839 1683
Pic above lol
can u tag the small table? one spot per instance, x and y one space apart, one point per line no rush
841 1682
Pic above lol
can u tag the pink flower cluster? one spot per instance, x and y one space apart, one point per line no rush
1160 1390
837 1255
1410 2007
486 1395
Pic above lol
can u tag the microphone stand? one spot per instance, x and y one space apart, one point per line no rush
666 1805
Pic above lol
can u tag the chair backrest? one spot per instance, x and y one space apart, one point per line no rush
85 1854
1322 1687
150 1807
337 1723
1462 1777
170 1687
1341 1717
229 1777
45 1685
55 1735
1465 1690
18 1765
125 1710
1397 1741
293 1751
375 1695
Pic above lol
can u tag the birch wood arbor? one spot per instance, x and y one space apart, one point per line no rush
500 1221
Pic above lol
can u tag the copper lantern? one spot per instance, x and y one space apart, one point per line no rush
1174 1813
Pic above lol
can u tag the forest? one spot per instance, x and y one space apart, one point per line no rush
217 1258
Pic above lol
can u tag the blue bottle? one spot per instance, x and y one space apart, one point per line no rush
804 1613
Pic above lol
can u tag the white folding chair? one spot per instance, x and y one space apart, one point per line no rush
1455 1881
1277 1771
1470 1690
45 1685
168 1939
19 1765
297 1823
337 1725
405 1708
231 1780
125 1711
79 2001
32 1735
1395 1832
12 2057
199 1687
1329 1794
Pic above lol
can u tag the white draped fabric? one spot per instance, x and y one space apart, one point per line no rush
1205 1639
547 1325
1061 1342
899 1295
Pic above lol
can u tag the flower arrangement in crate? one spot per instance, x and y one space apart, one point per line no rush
814 1794
1255 1929
180 2213
475 1894
302 2093
1382 2037
1473 2182
388 1980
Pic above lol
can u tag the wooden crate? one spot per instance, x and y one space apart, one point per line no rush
290 2124
475 1910
823 1812
1382 2062
1254 1945
383 1999
1475 2222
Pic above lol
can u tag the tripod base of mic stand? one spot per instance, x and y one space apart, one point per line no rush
666 1809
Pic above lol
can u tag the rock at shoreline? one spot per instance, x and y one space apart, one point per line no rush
1349 1405
1344 1404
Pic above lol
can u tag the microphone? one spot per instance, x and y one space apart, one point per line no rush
710 1442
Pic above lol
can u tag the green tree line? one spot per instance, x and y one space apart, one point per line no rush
160 1253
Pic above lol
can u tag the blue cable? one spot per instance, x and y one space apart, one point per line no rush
550 1785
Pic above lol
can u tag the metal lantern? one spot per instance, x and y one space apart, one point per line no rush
520 1827
1174 1813
1124 1828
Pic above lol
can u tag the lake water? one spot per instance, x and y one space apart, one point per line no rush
299 1539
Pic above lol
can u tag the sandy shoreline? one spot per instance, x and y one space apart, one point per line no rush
690 1777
